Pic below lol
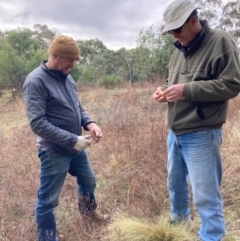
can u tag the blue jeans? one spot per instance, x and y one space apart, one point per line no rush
196 156
54 168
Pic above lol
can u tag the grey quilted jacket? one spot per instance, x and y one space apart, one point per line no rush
53 109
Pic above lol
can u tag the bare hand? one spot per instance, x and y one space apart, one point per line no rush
158 95
95 132
174 92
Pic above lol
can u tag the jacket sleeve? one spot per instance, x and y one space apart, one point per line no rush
35 100
224 75
86 119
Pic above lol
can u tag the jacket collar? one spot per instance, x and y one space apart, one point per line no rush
57 74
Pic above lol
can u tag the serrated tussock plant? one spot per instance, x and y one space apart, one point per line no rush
133 229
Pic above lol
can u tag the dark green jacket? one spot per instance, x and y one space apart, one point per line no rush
210 73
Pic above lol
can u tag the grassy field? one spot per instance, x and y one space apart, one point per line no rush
129 162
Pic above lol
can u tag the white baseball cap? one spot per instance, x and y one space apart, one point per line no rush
176 14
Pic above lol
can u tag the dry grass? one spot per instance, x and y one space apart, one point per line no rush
132 229
130 164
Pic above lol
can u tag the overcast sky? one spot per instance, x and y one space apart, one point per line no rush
116 23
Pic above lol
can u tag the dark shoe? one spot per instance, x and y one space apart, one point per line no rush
86 205
178 221
87 211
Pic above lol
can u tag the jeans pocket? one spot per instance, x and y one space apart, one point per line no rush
203 133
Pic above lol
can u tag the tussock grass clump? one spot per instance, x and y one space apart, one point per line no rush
132 229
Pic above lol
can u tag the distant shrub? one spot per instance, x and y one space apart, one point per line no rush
110 81
85 75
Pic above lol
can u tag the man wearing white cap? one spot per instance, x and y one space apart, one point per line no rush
203 76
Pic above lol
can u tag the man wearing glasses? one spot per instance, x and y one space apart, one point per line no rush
203 76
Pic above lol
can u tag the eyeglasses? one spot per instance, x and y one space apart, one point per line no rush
177 30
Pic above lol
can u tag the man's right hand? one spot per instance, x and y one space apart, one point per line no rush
83 142
158 95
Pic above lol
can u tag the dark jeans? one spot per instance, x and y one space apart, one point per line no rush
54 168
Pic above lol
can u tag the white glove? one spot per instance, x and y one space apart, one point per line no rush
83 142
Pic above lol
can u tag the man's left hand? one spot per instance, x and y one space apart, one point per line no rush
174 92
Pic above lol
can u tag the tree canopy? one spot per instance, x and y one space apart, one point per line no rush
23 49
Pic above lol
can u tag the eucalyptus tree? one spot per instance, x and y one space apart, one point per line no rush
90 48
116 66
87 52
20 53
210 10
230 20
222 16
146 49
91 64
98 67
115 60
12 68
153 53
22 42
44 35
164 50
120 64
